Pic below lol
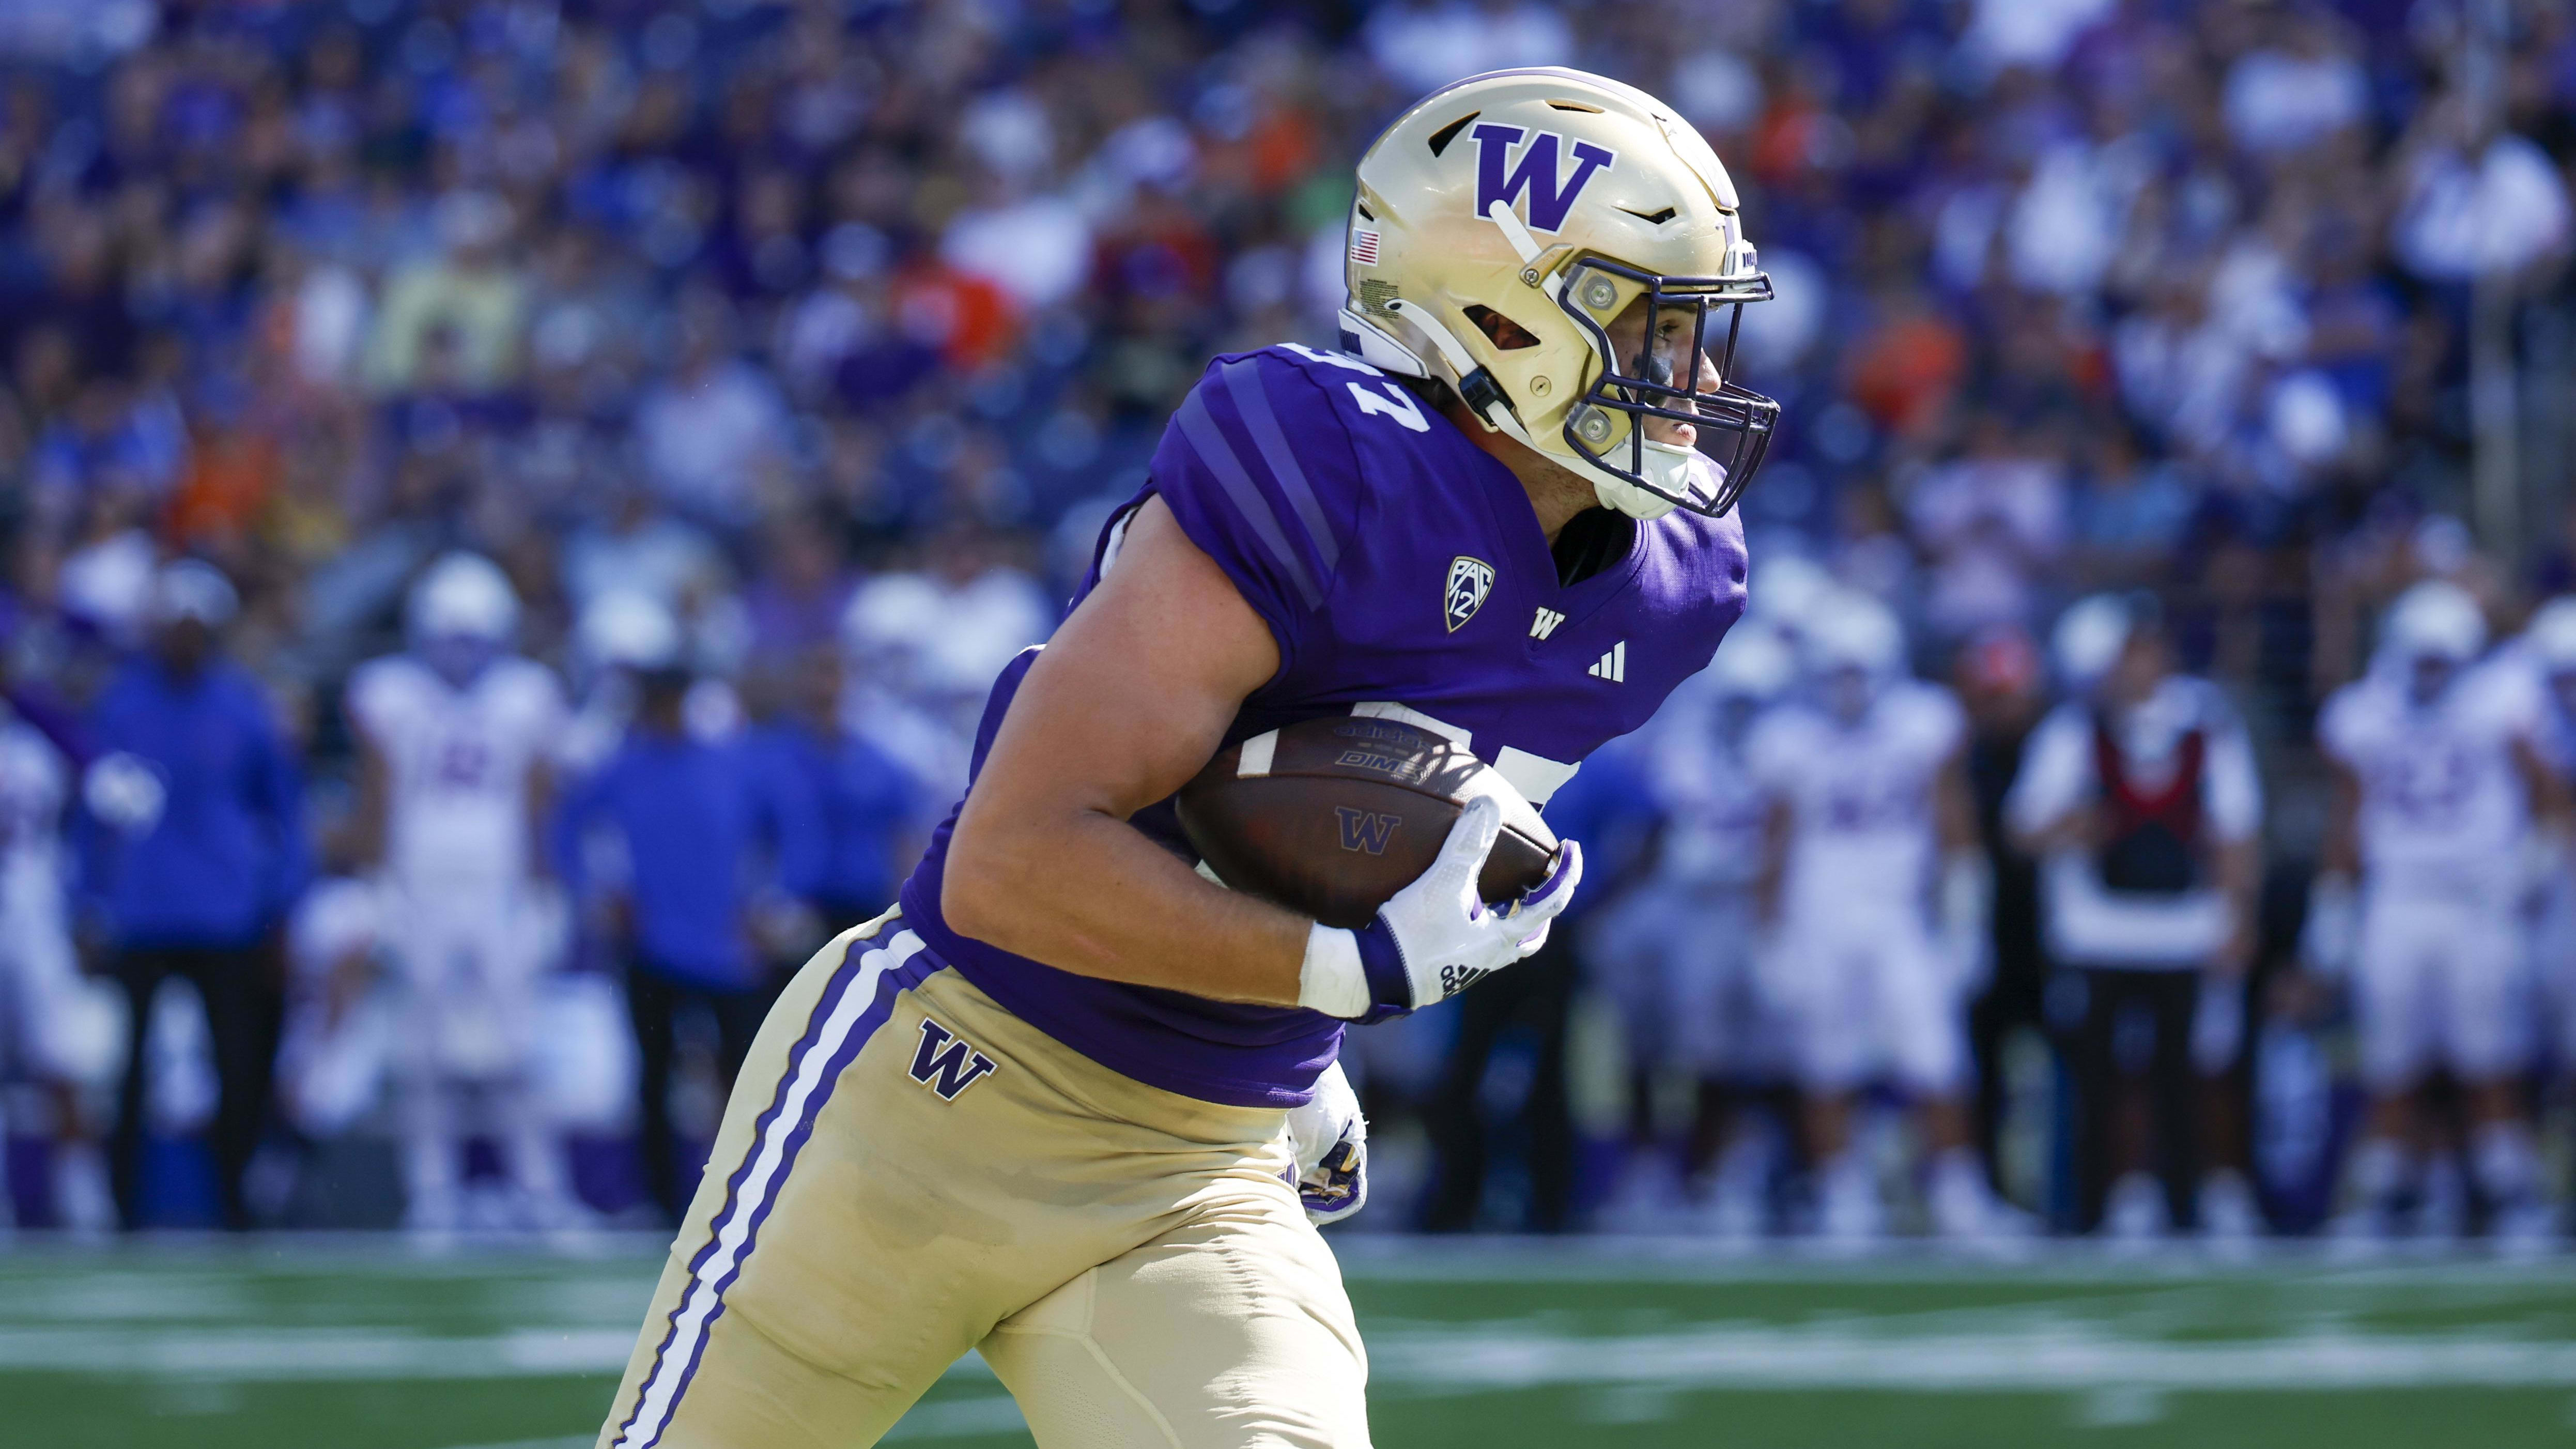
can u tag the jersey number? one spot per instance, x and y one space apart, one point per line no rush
1394 402
1387 400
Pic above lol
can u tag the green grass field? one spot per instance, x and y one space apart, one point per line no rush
283 1345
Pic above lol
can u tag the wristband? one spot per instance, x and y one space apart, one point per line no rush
1332 979
1390 983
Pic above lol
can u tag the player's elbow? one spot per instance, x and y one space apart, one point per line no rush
985 878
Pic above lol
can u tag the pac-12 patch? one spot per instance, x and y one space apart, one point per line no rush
1470 580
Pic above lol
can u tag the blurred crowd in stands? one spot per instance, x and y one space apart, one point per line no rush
783 360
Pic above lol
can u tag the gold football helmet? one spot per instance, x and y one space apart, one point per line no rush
1557 247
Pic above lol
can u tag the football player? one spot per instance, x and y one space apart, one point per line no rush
453 738
1063 1103
1675 951
1869 796
57 1026
2419 899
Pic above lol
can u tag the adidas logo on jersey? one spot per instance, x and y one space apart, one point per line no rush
1612 666
947 1063
1545 624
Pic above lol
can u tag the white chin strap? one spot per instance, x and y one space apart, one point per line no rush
1666 465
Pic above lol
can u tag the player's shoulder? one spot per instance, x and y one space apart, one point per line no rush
2351 715
1922 714
519 683
2501 694
388 685
1784 735
389 671
1280 461
1299 421
1320 386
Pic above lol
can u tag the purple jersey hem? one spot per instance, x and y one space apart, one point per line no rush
959 953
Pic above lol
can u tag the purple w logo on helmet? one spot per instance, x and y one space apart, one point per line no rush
1551 195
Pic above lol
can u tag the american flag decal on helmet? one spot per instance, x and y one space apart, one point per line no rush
1364 247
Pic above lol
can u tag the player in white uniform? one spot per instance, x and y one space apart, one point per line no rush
1675 951
58 1028
2421 893
455 737
2548 650
1869 797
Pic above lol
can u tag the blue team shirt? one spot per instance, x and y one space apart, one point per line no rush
1403 572
226 856
862 801
705 825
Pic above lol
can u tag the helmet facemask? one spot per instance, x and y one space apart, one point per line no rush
1608 428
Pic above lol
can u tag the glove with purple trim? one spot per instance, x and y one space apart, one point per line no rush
1436 937
1330 1138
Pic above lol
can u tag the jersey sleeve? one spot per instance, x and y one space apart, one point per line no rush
2340 726
377 700
2056 771
1771 752
1258 467
1944 723
543 709
2509 700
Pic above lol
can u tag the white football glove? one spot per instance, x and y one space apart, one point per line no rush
1436 937
1330 1138
126 793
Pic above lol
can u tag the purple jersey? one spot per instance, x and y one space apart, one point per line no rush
1403 573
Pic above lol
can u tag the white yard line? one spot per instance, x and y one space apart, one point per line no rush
2067 1357
2057 1356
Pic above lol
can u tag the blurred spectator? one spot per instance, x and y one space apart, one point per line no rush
705 837
796 602
1992 521
454 321
868 807
710 432
1525 1024
1999 681
2140 793
194 851
56 1031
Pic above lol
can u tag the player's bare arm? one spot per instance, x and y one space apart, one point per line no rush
2546 792
1118 712
1954 806
2239 873
1778 825
2340 854
540 816
374 808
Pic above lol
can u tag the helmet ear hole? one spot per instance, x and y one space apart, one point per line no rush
1506 334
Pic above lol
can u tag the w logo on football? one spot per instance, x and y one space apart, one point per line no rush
946 1063
1551 194
1366 829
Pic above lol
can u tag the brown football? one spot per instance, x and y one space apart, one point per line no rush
1334 815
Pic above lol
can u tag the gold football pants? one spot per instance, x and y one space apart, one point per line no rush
907 1171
